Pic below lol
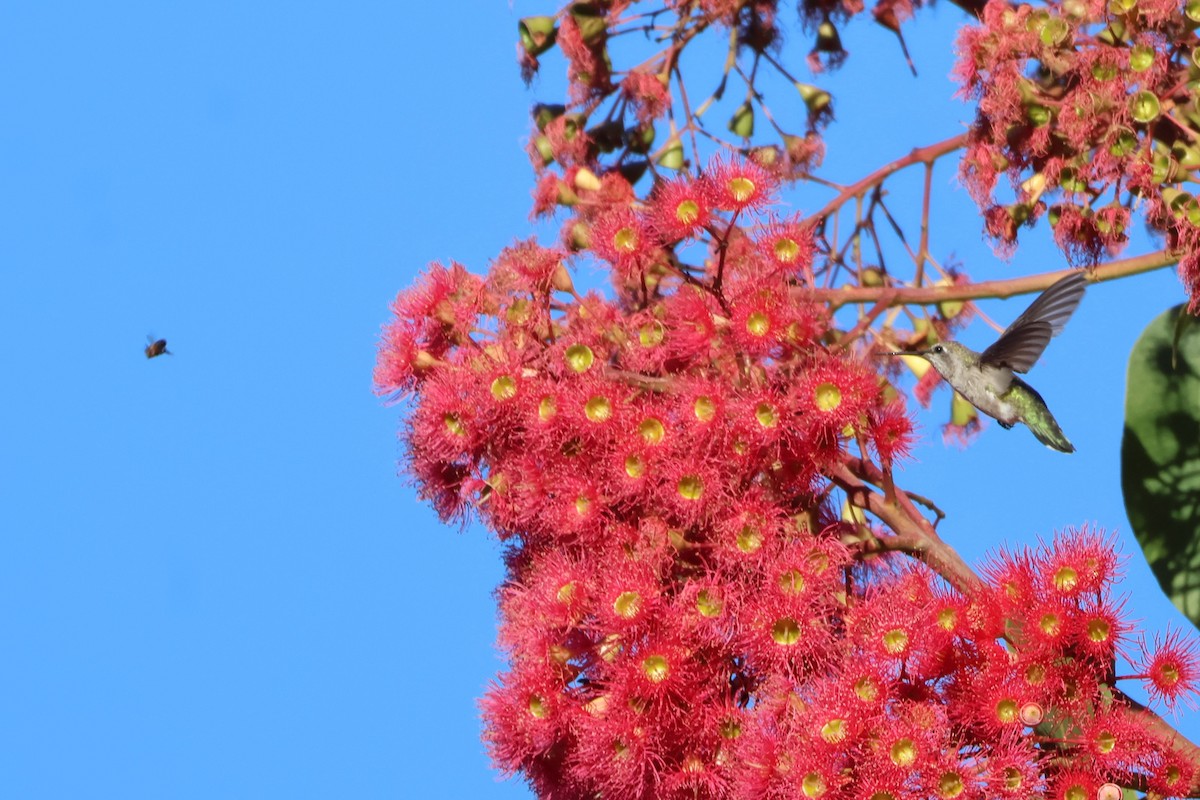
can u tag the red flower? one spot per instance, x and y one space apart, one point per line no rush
624 238
648 94
680 208
834 395
891 432
788 244
739 184
1171 669
1078 562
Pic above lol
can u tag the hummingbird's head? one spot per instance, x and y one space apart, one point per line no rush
942 355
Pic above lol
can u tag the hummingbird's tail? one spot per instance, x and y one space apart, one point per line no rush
1049 434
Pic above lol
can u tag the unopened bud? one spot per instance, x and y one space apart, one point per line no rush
544 114
949 309
828 39
1144 106
815 98
918 365
566 197
561 279
586 179
639 139
1033 186
962 413
444 313
424 360
672 157
580 237
592 24
871 276
537 34
742 122
544 150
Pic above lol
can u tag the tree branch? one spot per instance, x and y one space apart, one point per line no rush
1007 287
913 533
920 155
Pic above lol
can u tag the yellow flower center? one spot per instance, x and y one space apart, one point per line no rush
634 466
628 604
786 631
579 357
598 409
690 487
687 212
749 539
828 396
742 188
708 604
651 334
758 324
895 641
1066 579
903 752
786 250
791 581
625 240
766 416
950 785
651 430
504 388
656 668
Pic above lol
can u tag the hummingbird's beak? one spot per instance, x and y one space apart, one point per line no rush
901 353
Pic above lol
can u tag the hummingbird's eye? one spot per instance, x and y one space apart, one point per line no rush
937 348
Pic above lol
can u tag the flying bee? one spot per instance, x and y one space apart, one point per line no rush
156 347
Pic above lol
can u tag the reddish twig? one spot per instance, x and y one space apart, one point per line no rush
920 155
867 320
1007 287
912 532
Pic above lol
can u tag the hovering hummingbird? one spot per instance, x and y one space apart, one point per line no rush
987 379
156 347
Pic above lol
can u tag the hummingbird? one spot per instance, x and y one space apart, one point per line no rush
988 380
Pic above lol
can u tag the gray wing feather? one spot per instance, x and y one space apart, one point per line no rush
1023 342
1019 348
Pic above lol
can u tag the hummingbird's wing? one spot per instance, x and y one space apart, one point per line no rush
1022 343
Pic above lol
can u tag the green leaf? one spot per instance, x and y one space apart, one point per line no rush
1160 454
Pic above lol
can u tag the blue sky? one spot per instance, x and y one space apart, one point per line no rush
213 582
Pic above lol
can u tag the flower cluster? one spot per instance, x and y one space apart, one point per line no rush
1088 108
627 110
686 614
767 667
657 464
552 411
